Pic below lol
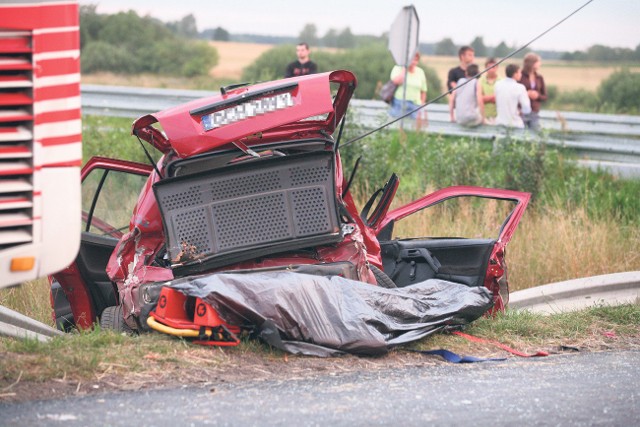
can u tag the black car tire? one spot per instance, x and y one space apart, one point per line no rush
113 320
383 280
61 308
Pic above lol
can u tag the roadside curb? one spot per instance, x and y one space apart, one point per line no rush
576 294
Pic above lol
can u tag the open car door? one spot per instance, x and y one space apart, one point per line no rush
110 190
463 235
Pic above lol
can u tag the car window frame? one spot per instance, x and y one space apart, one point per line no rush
108 165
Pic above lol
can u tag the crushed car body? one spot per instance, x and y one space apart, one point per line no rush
251 181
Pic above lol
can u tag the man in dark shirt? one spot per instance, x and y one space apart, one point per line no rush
467 56
303 65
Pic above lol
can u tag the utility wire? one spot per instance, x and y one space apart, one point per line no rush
153 163
471 79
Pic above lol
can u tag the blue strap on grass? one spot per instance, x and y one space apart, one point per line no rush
452 357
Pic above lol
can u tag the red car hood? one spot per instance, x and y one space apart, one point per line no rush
251 115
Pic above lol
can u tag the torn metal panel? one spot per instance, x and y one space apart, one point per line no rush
130 267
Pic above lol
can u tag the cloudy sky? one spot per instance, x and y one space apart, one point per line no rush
613 23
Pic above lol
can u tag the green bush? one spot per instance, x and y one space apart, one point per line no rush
129 44
371 65
424 161
576 100
199 59
101 56
601 195
270 65
552 93
131 31
174 57
111 137
620 93
522 163
434 84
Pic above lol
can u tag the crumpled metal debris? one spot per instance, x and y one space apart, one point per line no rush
131 268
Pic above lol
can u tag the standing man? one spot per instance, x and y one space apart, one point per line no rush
304 65
509 96
467 55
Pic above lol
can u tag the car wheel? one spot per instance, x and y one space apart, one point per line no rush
383 280
61 308
113 320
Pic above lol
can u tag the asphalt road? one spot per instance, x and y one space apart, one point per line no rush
569 390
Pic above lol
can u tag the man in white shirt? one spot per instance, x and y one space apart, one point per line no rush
512 100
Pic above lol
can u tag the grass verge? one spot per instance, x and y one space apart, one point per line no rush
593 329
98 360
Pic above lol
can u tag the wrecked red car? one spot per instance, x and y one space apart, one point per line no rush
252 180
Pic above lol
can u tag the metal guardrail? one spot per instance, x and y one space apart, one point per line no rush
578 294
17 325
600 140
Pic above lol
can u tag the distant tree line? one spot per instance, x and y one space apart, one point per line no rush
342 38
446 47
129 44
600 53
345 39
597 53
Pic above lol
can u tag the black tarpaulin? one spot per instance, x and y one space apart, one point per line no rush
327 316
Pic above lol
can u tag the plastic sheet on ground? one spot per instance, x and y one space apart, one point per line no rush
329 316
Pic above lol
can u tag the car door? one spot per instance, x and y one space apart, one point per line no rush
457 234
110 190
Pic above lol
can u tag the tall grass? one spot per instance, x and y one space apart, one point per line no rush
553 245
549 245
111 137
473 218
579 223
424 162
31 299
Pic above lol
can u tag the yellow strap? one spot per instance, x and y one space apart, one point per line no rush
188 333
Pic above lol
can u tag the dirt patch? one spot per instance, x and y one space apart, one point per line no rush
235 56
234 367
140 80
565 75
210 367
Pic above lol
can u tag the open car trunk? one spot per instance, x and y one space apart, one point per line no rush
244 211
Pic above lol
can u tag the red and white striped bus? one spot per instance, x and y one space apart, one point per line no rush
40 138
